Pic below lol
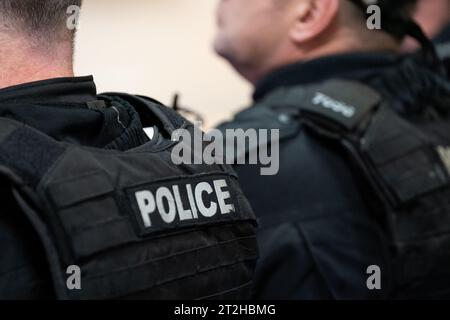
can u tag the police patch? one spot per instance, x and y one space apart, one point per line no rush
182 203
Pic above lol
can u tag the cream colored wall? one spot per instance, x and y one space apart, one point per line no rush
157 48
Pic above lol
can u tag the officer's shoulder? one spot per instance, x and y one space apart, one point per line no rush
262 117
149 109
283 108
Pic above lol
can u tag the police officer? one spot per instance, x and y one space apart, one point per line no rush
347 216
92 205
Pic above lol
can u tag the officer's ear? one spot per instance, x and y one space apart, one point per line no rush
313 18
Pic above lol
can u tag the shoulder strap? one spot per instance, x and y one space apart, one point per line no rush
382 143
336 103
335 110
150 110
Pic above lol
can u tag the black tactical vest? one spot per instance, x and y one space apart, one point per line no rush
135 224
403 162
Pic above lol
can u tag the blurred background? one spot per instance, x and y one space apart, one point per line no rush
158 48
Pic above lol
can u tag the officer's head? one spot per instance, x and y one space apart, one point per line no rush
256 36
35 34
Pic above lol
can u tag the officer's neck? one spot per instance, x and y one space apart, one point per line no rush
21 62
346 43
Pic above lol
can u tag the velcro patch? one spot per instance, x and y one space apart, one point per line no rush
343 102
183 203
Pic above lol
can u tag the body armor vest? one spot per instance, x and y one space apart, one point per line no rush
136 225
403 161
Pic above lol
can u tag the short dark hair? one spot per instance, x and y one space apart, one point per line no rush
45 20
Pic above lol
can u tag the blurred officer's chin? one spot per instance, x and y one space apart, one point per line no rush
225 44
232 50
230 39
221 44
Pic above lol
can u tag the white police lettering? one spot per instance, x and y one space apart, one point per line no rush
334 105
185 202
444 153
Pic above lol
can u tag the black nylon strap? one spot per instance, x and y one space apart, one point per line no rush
337 102
150 109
